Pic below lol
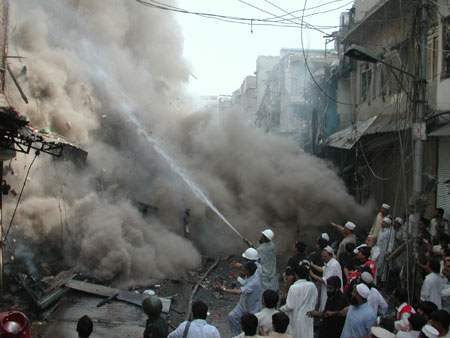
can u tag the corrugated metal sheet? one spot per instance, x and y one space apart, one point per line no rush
348 137
443 189
443 131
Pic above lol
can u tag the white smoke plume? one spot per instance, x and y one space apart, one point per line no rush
89 66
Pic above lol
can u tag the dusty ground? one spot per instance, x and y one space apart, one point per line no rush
119 319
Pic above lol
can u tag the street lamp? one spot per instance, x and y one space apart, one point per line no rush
362 54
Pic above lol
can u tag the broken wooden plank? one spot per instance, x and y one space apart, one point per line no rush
50 298
126 296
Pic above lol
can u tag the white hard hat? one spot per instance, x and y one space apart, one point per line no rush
268 234
251 254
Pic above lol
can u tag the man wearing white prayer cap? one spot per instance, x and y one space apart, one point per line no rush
349 237
360 316
325 236
376 300
376 227
429 332
385 242
331 268
379 332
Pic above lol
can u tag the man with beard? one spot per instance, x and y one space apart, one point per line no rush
349 237
376 300
301 299
267 260
376 227
360 315
439 225
385 242
331 268
332 318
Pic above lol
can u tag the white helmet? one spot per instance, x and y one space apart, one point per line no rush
251 254
268 234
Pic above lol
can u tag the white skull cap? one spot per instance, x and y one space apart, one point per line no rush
363 290
379 332
350 225
367 277
329 249
430 331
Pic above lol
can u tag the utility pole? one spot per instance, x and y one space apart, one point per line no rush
419 127
4 16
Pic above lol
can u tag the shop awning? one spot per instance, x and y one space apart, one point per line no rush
348 137
443 131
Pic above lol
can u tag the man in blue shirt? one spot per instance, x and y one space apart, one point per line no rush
197 328
251 297
360 316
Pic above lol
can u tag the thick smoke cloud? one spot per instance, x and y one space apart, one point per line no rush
89 66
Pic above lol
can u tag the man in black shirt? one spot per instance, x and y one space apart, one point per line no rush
299 255
332 318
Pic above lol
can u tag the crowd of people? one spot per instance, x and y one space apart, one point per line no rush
351 288
344 288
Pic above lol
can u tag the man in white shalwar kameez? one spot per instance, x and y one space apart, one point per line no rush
433 284
301 298
268 261
385 242
376 227
331 268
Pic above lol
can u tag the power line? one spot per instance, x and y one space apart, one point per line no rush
231 19
310 72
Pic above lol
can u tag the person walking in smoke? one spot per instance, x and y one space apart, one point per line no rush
267 260
250 300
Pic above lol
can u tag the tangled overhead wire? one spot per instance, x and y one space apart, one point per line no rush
273 20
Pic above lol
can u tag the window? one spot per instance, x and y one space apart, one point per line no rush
445 48
376 81
366 79
432 54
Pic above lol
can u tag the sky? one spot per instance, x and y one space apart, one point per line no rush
221 54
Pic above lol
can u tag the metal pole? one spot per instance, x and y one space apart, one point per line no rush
419 128
1 229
